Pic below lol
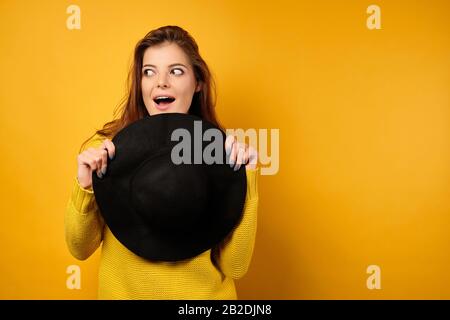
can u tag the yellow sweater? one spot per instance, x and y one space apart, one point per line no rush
124 275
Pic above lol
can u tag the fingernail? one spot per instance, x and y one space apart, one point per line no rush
231 163
100 175
104 171
111 156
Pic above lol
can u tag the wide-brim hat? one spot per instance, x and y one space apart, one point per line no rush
161 210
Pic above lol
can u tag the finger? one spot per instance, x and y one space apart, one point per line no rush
240 156
104 155
83 159
87 159
97 158
246 155
229 143
240 149
109 145
233 154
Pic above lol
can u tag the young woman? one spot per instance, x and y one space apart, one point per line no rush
166 63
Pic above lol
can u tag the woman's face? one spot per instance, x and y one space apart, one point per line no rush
167 72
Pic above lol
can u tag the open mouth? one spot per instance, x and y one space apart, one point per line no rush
163 100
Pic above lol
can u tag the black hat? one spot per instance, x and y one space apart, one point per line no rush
161 210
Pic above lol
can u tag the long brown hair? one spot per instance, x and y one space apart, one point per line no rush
132 106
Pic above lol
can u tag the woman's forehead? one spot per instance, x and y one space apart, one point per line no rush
165 55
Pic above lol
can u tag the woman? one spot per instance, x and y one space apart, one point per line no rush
166 63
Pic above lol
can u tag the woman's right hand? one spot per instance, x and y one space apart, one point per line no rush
94 159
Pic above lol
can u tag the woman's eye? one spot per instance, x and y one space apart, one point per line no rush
178 71
146 72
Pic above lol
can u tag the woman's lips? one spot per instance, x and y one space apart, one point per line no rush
162 106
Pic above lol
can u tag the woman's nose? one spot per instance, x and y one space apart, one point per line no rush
162 81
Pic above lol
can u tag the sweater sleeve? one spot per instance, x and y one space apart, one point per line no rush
83 222
237 249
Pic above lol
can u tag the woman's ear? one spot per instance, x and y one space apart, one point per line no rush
199 87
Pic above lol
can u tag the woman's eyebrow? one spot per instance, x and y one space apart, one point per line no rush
172 65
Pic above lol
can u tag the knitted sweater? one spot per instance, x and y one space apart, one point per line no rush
124 275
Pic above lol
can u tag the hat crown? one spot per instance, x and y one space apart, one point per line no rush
169 197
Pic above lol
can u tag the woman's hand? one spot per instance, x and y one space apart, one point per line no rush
240 153
94 159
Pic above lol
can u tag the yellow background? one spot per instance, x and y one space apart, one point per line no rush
364 135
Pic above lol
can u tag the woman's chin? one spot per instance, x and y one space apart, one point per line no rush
154 111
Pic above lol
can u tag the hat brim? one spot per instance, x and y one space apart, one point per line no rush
149 140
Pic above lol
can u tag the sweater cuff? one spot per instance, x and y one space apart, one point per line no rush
252 183
83 199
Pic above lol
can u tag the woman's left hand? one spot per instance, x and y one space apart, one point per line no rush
240 153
